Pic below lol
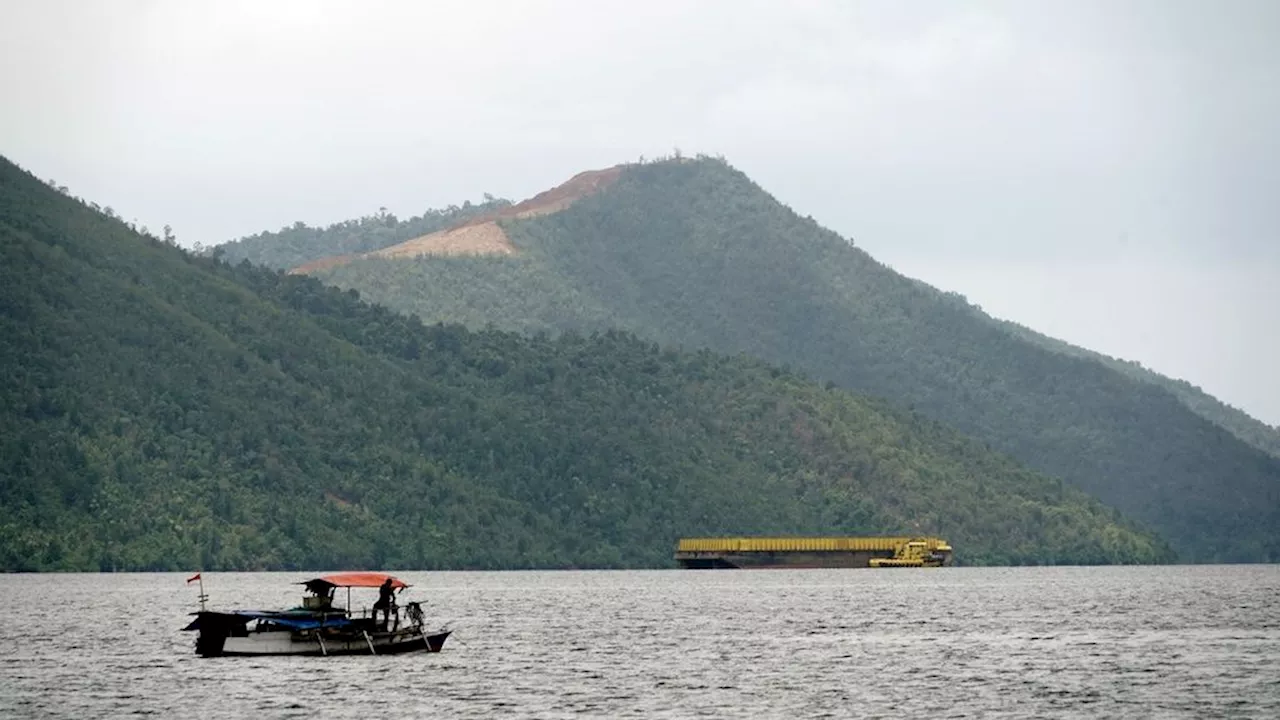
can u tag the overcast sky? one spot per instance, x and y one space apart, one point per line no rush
1107 173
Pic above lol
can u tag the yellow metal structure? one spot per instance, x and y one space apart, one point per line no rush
915 553
807 544
900 551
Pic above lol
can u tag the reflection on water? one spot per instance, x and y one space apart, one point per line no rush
956 642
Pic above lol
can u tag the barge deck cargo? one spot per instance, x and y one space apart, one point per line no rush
812 552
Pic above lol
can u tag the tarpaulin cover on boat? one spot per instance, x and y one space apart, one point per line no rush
358 579
304 622
293 621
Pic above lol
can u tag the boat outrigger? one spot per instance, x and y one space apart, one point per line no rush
319 627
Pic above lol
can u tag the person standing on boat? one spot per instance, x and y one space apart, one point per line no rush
386 603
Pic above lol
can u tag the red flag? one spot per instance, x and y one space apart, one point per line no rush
193 578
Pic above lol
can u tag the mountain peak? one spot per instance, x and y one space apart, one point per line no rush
694 254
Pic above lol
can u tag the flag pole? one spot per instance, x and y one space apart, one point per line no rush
202 597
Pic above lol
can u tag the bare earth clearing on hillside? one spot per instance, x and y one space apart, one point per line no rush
483 235
483 239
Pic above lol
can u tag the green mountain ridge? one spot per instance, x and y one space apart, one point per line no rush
296 245
164 411
1236 421
693 254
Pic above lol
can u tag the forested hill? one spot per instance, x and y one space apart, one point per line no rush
1238 422
165 411
300 243
693 253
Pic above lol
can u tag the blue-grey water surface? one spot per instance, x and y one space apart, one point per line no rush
1195 642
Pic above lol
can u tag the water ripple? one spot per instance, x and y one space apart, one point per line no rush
1196 642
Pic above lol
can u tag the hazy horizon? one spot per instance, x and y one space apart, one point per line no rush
1098 172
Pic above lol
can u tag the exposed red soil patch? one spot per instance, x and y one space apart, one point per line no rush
558 198
483 235
470 239
337 499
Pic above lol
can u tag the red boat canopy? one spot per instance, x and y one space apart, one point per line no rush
358 579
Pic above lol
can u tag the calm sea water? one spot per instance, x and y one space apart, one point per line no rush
1196 642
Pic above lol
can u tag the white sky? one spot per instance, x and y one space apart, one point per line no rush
1105 172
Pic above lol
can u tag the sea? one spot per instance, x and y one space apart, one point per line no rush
1055 642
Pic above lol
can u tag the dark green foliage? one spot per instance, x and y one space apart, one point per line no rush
162 410
300 243
691 253
1237 422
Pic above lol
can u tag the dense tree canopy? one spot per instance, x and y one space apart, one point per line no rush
693 254
1236 421
163 410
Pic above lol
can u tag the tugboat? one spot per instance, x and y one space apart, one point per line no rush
916 553
319 627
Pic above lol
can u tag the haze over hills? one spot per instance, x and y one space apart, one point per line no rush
164 410
692 253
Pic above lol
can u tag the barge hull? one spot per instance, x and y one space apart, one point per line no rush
766 560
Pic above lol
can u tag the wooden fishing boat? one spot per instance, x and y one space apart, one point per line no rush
318 626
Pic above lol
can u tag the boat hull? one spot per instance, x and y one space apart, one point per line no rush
288 643
223 634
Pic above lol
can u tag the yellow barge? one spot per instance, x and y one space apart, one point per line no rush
812 552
